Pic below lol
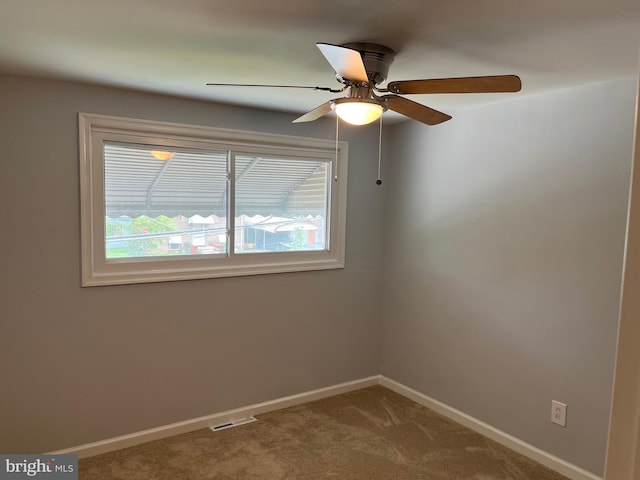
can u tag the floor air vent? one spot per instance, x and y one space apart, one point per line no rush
234 423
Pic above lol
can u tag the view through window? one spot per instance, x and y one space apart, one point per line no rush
175 203
204 202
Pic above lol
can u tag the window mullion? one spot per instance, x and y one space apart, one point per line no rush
231 203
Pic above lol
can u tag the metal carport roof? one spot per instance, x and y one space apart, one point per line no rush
190 183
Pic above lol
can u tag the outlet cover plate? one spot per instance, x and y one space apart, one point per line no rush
559 413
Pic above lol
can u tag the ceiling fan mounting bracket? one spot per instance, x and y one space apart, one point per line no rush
376 58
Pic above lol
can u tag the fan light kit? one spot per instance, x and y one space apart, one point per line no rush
362 67
357 111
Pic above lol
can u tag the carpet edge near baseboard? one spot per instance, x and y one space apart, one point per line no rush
124 441
177 428
534 453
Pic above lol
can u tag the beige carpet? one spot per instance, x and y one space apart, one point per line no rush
368 434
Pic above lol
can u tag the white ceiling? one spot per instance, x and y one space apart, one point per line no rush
176 47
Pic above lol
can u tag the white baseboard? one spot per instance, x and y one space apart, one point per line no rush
124 441
116 443
557 464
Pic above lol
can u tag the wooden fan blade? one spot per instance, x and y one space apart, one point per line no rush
347 62
415 110
314 114
324 89
488 84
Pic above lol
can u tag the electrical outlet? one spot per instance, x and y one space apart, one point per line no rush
559 413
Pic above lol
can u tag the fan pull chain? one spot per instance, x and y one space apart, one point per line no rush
379 180
335 177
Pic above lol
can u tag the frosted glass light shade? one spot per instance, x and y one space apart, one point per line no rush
358 113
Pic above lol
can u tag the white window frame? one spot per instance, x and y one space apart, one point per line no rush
95 130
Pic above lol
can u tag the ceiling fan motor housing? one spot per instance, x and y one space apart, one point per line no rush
376 58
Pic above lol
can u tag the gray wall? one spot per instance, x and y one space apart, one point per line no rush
501 252
84 364
503 257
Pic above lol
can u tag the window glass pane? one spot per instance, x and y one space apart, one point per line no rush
280 204
164 202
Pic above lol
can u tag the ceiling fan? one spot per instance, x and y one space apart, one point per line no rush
362 67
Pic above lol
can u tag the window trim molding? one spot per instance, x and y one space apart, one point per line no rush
97 271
